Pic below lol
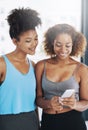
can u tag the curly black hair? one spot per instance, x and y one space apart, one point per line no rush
78 39
21 20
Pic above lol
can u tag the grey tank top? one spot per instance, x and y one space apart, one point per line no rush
51 89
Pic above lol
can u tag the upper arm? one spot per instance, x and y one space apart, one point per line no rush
84 82
39 67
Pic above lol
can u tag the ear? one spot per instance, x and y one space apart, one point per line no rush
14 41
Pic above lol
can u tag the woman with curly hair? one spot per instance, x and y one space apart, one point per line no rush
17 78
59 73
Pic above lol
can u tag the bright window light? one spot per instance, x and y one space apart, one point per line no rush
51 12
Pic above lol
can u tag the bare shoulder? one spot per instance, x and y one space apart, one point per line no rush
40 64
2 62
1 59
83 66
83 70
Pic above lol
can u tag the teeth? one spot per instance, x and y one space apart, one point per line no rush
62 54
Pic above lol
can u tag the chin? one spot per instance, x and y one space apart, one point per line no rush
32 53
63 58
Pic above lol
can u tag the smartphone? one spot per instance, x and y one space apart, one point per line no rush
68 93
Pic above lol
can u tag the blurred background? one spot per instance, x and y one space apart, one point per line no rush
51 12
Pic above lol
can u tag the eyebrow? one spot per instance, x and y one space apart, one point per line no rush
61 43
31 37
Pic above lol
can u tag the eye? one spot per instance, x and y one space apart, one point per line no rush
68 46
28 41
36 39
58 45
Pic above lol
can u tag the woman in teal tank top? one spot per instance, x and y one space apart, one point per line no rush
17 78
59 73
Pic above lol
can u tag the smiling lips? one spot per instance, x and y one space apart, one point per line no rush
32 48
62 54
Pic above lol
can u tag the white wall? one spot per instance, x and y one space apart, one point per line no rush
51 12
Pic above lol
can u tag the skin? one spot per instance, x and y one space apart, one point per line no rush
26 44
57 71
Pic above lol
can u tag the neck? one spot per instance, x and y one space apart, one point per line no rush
19 56
63 61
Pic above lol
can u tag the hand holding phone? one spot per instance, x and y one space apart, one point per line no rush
68 93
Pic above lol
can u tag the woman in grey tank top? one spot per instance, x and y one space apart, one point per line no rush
59 73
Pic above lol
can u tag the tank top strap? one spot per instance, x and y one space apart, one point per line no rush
77 68
5 58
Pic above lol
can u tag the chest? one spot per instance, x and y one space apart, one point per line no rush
21 67
59 74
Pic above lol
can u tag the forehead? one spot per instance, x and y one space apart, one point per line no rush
63 37
29 33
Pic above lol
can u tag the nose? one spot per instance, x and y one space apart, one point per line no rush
63 49
34 42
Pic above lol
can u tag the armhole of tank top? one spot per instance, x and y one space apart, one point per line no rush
4 58
76 69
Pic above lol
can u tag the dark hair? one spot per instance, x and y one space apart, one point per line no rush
78 39
21 20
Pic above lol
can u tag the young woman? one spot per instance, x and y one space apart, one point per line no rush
59 73
17 78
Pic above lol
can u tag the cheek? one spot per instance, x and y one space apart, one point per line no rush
56 50
70 49
54 47
37 42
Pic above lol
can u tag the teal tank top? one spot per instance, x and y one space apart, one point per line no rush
17 92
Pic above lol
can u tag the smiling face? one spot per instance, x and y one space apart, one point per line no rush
27 42
63 46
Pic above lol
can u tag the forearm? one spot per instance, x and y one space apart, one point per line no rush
81 105
43 103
